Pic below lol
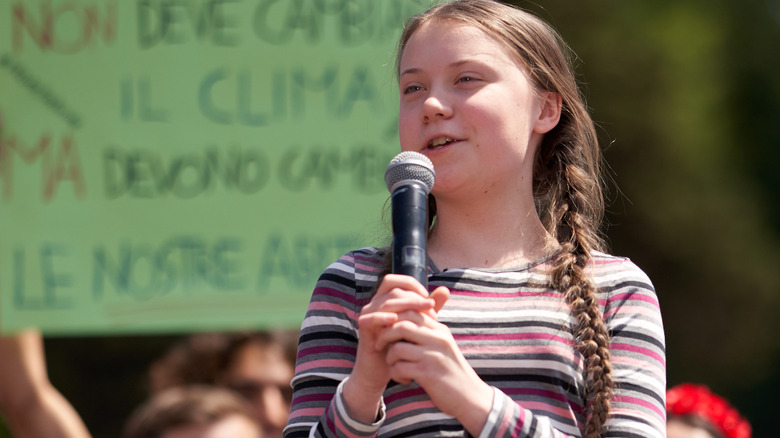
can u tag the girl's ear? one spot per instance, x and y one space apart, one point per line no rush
551 104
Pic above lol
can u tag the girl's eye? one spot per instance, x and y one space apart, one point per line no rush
412 89
465 79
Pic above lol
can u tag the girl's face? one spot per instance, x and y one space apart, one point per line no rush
470 107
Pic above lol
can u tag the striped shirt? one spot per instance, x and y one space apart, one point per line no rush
515 333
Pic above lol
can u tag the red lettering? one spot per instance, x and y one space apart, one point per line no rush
29 155
66 166
41 34
67 28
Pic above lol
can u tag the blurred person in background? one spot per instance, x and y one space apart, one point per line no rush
256 365
193 412
30 404
695 412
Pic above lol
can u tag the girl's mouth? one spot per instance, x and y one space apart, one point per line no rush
439 142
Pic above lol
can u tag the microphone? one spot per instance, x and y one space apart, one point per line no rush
409 178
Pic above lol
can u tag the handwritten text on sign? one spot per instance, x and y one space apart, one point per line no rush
188 165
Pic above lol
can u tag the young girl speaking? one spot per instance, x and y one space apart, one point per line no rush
528 329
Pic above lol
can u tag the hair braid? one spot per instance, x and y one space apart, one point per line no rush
576 235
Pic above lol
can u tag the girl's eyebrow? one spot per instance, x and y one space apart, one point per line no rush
455 64
410 71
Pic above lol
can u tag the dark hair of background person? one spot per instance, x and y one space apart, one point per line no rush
186 406
213 353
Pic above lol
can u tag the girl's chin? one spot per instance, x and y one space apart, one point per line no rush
445 187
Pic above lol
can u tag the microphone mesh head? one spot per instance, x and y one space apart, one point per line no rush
409 166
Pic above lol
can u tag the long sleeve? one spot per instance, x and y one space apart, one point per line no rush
516 335
638 350
327 348
632 312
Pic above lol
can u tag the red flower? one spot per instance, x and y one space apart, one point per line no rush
697 400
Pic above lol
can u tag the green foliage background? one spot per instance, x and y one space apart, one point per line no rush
687 97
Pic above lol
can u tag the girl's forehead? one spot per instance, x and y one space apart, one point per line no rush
449 38
449 28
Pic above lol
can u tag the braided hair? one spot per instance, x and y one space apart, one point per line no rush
566 179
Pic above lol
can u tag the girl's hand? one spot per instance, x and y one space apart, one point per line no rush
421 349
371 373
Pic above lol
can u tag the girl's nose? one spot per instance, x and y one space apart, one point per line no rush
435 107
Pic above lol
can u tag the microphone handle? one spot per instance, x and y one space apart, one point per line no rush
410 230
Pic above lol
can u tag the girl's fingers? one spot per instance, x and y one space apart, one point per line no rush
411 316
398 293
413 327
376 320
403 282
400 298
403 352
440 295
403 360
399 302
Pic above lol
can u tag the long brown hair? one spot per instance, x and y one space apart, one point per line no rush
566 179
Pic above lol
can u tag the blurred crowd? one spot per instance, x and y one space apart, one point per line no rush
208 385
237 385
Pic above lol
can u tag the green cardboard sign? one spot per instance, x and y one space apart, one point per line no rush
188 165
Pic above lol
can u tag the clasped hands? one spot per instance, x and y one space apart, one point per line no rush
400 326
401 339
